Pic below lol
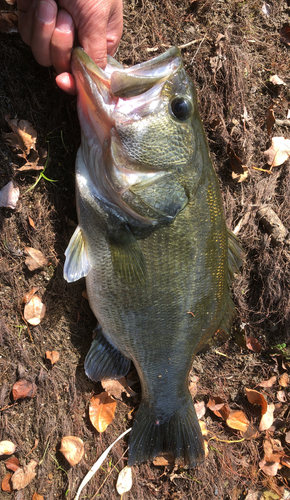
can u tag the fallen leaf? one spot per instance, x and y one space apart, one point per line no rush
256 398
102 410
8 22
285 34
276 80
251 432
268 383
115 388
31 222
53 356
219 408
72 448
7 448
270 118
23 476
12 463
281 396
287 437
269 468
241 177
273 450
193 385
124 481
163 459
24 130
35 259
267 418
200 409
204 430
285 460
23 389
284 380
37 496
9 196
28 296
236 163
278 152
6 484
205 449
34 311
253 344
238 420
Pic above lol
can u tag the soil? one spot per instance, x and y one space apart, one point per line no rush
230 49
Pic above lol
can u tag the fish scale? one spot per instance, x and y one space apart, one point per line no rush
151 241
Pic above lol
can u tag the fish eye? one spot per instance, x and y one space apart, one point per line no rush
181 108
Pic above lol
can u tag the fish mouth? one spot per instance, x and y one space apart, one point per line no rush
114 95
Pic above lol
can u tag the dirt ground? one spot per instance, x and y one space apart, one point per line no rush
230 49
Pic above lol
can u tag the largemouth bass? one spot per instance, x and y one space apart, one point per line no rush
151 241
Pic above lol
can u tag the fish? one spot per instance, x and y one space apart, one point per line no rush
151 241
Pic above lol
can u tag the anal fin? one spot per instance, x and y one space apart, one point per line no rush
104 361
76 264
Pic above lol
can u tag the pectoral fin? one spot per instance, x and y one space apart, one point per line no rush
76 264
127 257
161 198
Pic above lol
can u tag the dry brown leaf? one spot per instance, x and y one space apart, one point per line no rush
23 389
25 131
35 259
28 296
31 222
268 418
284 380
251 432
238 420
269 468
53 356
6 484
165 458
256 398
193 385
281 396
37 496
102 410
205 449
9 22
273 450
241 177
12 463
270 118
9 196
285 460
287 437
203 428
200 409
219 408
253 344
23 476
34 311
276 80
72 448
268 383
278 152
115 388
285 34
7 448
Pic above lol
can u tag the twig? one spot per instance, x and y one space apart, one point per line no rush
152 49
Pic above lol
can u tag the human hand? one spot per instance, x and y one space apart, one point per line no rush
49 28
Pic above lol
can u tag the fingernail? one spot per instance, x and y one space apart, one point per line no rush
45 12
64 22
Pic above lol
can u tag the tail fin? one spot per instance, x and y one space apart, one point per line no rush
180 435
